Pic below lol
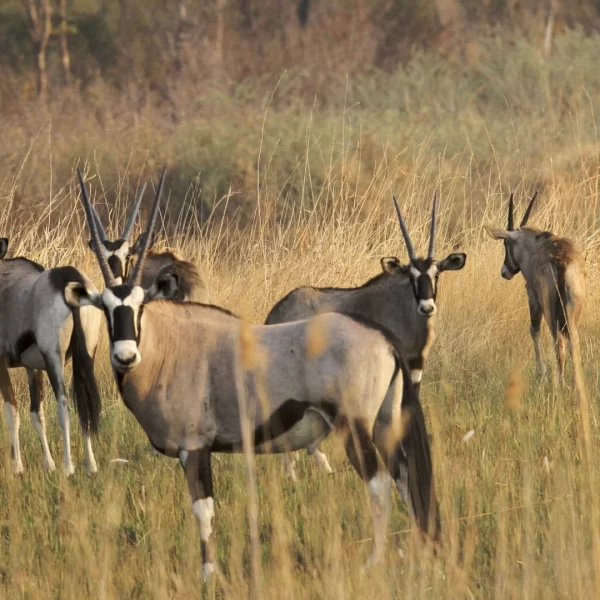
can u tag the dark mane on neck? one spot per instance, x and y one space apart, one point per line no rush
369 283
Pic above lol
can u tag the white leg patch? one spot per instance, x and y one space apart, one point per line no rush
204 511
63 418
321 460
90 459
12 418
289 464
39 424
416 375
183 456
207 570
379 491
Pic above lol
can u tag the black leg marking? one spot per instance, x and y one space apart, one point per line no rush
361 451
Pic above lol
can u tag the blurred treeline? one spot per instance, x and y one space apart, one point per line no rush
289 99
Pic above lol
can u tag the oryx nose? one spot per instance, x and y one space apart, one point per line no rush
126 360
427 307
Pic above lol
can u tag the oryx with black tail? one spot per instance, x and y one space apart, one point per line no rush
402 299
40 330
120 255
554 272
199 380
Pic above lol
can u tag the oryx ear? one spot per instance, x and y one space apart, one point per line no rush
77 295
3 247
453 262
497 233
165 287
391 265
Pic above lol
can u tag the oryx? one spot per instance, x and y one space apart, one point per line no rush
40 330
402 299
554 272
190 284
189 372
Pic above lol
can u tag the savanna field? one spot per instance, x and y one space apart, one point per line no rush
269 192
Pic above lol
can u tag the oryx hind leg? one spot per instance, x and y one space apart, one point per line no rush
56 373
36 415
363 456
535 313
321 460
11 412
198 473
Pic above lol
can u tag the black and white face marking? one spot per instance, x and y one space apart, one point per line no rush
122 305
424 276
117 254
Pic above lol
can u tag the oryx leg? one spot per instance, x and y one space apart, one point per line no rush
36 414
362 454
560 348
535 313
321 460
11 412
289 466
55 368
198 473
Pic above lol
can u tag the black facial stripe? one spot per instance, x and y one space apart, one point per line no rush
121 291
424 287
115 265
123 324
113 246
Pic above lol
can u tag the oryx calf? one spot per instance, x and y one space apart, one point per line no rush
554 272
190 283
40 330
196 378
402 299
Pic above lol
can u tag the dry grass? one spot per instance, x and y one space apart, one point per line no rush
519 499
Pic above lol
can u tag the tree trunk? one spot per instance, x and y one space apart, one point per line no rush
39 20
65 57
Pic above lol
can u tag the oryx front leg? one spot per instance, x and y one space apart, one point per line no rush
36 415
11 412
321 460
535 312
55 369
416 372
362 454
289 466
198 473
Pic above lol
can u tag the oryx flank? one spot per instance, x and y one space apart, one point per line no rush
554 272
402 299
40 330
190 284
188 372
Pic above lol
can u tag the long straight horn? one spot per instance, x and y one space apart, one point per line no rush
434 214
148 234
109 279
101 231
528 211
132 217
409 246
511 212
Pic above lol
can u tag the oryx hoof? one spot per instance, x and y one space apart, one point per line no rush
48 465
207 571
69 469
92 468
373 561
18 468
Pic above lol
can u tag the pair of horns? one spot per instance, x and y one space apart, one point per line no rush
99 248
130 222
409 246
511 211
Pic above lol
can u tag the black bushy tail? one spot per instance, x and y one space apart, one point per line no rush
87 396
415 443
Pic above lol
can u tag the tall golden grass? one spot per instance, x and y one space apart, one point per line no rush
519 498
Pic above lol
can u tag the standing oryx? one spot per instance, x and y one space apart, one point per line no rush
40 330
401 299
554 272
190 284
196 378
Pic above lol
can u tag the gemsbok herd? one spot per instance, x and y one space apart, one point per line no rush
200 380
